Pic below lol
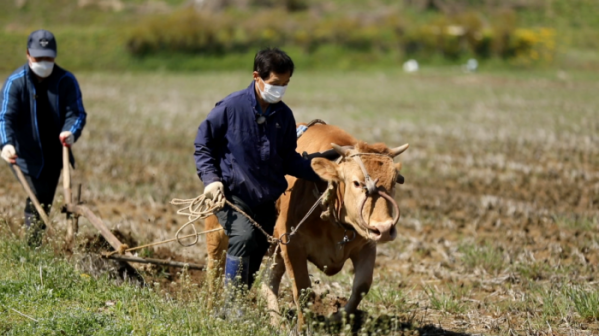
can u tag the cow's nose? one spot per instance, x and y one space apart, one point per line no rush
383 231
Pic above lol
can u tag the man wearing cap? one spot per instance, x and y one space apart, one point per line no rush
41 110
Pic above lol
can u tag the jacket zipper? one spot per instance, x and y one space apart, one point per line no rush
37 129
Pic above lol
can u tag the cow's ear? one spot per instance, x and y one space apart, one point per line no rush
398 177
327 170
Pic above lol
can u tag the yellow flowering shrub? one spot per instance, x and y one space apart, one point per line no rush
533 46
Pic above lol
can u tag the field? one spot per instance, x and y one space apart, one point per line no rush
499 232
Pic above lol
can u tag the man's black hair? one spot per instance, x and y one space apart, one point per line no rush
272 60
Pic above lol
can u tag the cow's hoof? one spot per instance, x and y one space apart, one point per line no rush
338 317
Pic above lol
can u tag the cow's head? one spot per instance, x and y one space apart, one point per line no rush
367 206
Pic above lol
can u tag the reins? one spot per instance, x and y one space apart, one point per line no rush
202 207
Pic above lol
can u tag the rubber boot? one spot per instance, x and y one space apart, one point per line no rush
30 220
237 271
35 229
236 282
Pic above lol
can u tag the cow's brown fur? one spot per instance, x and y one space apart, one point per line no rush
317 240
216 244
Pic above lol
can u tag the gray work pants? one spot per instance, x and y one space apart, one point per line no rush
245 240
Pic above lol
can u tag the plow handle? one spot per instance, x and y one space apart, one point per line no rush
32 197
66 175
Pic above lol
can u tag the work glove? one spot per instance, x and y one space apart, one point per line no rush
9 154
215 192
67 138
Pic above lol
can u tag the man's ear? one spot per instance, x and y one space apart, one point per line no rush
327 170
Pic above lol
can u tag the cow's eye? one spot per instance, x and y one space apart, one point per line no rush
357 184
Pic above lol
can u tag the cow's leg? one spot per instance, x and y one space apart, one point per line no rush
296 265
270 288
216 245
363 268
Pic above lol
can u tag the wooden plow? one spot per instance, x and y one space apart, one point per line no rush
75 208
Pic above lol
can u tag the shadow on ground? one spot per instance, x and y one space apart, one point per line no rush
381 325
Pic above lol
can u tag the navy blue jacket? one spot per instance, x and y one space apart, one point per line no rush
251 160
18 114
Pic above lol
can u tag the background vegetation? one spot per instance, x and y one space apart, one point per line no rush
216 34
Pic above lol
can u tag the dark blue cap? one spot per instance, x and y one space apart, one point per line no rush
41 43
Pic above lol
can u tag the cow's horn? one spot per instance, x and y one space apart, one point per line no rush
343 151
398 150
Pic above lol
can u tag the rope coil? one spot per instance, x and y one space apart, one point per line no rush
196 208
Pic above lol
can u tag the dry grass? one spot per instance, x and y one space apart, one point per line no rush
499 230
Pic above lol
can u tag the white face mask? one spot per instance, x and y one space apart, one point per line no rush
272 93
42 69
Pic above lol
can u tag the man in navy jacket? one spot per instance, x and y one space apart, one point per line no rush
40 111
243 150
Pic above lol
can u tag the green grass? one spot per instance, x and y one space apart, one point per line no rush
554 303
446 302
586 302
575 223
59 300
392 299
535 271
489 257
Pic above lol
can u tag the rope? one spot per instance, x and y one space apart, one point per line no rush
195 208
124 248
202 207
270 238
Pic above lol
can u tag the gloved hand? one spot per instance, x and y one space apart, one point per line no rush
215 192
9 154
67 138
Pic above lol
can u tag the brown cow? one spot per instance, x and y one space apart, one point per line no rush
364 217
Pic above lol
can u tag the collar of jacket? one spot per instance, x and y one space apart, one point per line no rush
250 93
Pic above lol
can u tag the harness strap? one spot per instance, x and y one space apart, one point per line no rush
316 121
330 155
369 184
303 128
294 231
